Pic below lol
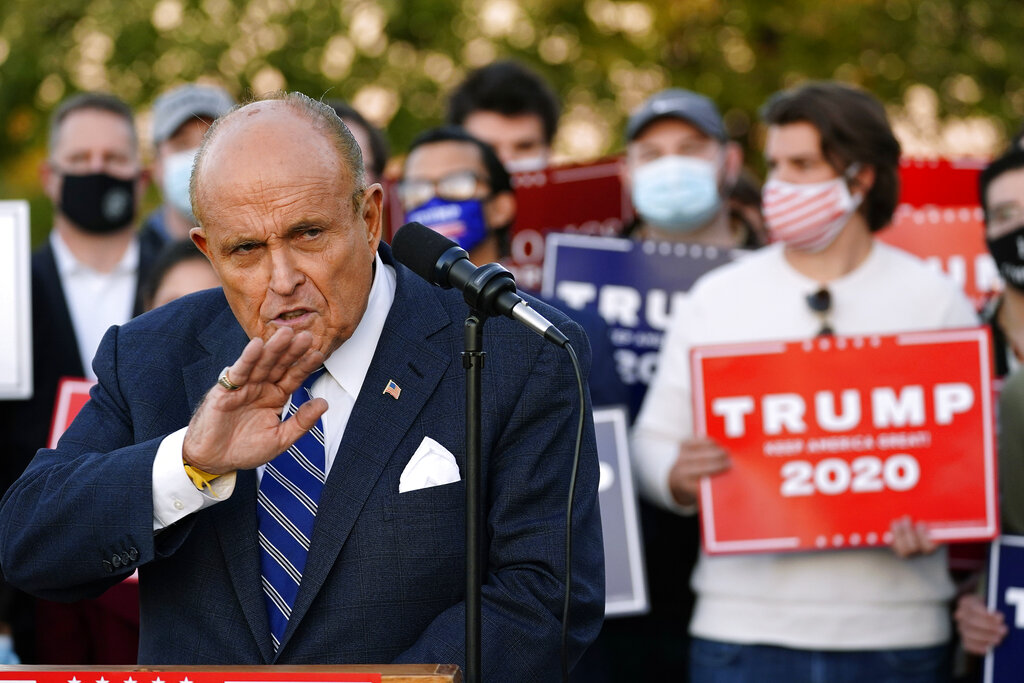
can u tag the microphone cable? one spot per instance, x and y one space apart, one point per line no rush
568 512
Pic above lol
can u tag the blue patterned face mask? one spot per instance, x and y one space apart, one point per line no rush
462 222
177 173
676 193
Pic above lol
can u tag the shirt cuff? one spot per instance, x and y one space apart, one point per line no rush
174 495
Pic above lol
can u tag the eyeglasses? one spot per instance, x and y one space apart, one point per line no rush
820 303
454 187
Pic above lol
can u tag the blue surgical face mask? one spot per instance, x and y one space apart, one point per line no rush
462 221
177 173
676 193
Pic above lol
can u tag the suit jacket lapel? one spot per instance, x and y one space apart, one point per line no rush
235 518
223 340
377 424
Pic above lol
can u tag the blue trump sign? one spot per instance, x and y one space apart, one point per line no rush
1006 595
633 285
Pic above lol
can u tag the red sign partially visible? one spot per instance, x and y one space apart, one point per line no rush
939 219
72 394
940 182
834 438
586 199
951 239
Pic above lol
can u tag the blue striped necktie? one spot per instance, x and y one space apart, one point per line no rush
286 510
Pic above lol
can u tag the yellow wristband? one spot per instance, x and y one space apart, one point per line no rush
199 478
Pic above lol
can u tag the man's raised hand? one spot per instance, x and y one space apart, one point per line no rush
238 429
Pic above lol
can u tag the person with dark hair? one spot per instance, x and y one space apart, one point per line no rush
680 170
372 142
455 183
856 614
855 140
280 458
1001 192
180 269
511 108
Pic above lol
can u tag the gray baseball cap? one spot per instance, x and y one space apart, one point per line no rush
177 106
695 109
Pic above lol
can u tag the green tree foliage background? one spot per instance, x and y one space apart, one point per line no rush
396 60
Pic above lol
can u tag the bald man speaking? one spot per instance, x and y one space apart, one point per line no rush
283 459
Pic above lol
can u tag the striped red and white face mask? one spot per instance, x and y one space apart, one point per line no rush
808 216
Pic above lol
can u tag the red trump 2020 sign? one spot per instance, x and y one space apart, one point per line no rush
833 438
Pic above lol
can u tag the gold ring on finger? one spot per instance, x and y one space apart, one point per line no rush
227 383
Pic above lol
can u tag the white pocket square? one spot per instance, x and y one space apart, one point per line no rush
431 465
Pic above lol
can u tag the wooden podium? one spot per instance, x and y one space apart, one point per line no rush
355 673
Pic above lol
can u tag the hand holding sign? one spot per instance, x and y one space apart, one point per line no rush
980 629
699 457
1002 642
910 539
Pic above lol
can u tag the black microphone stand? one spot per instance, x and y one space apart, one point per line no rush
484 287
473 362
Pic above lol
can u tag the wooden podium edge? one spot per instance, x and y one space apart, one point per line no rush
390 673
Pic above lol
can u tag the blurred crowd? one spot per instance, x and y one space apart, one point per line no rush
813 266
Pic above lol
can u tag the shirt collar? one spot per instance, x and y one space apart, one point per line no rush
68 265
349 364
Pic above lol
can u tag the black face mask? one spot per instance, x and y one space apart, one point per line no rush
1008 251
98 203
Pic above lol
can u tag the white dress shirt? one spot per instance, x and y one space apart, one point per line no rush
174 494
95 300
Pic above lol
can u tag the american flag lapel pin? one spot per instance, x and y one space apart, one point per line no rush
392 389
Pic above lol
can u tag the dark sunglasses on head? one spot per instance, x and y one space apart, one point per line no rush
454 187
820 303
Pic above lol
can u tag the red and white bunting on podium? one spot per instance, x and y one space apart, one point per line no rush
72 394
215 675
834 438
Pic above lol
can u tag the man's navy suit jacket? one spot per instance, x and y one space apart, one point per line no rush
384 580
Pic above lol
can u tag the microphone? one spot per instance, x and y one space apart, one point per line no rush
488 289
